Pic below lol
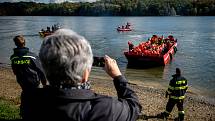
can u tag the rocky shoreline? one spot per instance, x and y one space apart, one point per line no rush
152 99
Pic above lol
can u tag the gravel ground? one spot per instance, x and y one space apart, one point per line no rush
152 99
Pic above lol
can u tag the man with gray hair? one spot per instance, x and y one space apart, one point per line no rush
67 60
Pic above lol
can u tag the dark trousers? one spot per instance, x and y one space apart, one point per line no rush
171 103
21 105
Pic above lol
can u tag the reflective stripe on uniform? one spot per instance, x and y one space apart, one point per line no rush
181 82
181 112
177 98
177 88
25 56
14 58
20 62
23 60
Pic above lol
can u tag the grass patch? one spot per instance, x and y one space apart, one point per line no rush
9 111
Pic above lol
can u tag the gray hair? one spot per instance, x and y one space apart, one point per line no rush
65 56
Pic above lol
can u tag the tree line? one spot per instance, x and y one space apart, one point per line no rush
112 8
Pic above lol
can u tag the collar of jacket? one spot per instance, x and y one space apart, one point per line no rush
74 94
77 94
175 75
21 51
85 85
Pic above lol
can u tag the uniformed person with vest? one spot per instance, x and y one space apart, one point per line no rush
27 67
176 92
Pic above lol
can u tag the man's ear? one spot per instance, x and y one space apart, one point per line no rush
86 75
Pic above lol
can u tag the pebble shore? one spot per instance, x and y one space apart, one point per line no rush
152 99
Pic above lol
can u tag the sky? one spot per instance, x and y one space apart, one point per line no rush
47 1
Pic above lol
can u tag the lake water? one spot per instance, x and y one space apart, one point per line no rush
196 44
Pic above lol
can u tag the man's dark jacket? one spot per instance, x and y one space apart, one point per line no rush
53 104
27 68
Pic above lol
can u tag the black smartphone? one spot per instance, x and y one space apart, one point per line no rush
98 61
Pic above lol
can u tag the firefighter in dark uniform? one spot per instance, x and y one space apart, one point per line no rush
176 92
130 45
26 66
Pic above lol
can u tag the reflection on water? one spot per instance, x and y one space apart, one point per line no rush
195 55
149 74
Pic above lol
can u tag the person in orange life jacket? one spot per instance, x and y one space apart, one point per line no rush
176 93
27 67
67 60
130 45
171 38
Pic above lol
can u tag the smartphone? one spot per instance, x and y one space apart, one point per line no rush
98 61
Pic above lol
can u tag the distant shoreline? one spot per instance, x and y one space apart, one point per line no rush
111 8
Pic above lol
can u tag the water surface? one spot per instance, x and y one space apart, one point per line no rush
196 41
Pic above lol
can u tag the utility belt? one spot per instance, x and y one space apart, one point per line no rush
177 98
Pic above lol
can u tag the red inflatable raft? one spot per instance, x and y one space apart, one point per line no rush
122 30
155 51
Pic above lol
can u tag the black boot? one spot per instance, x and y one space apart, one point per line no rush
180 117
164 115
